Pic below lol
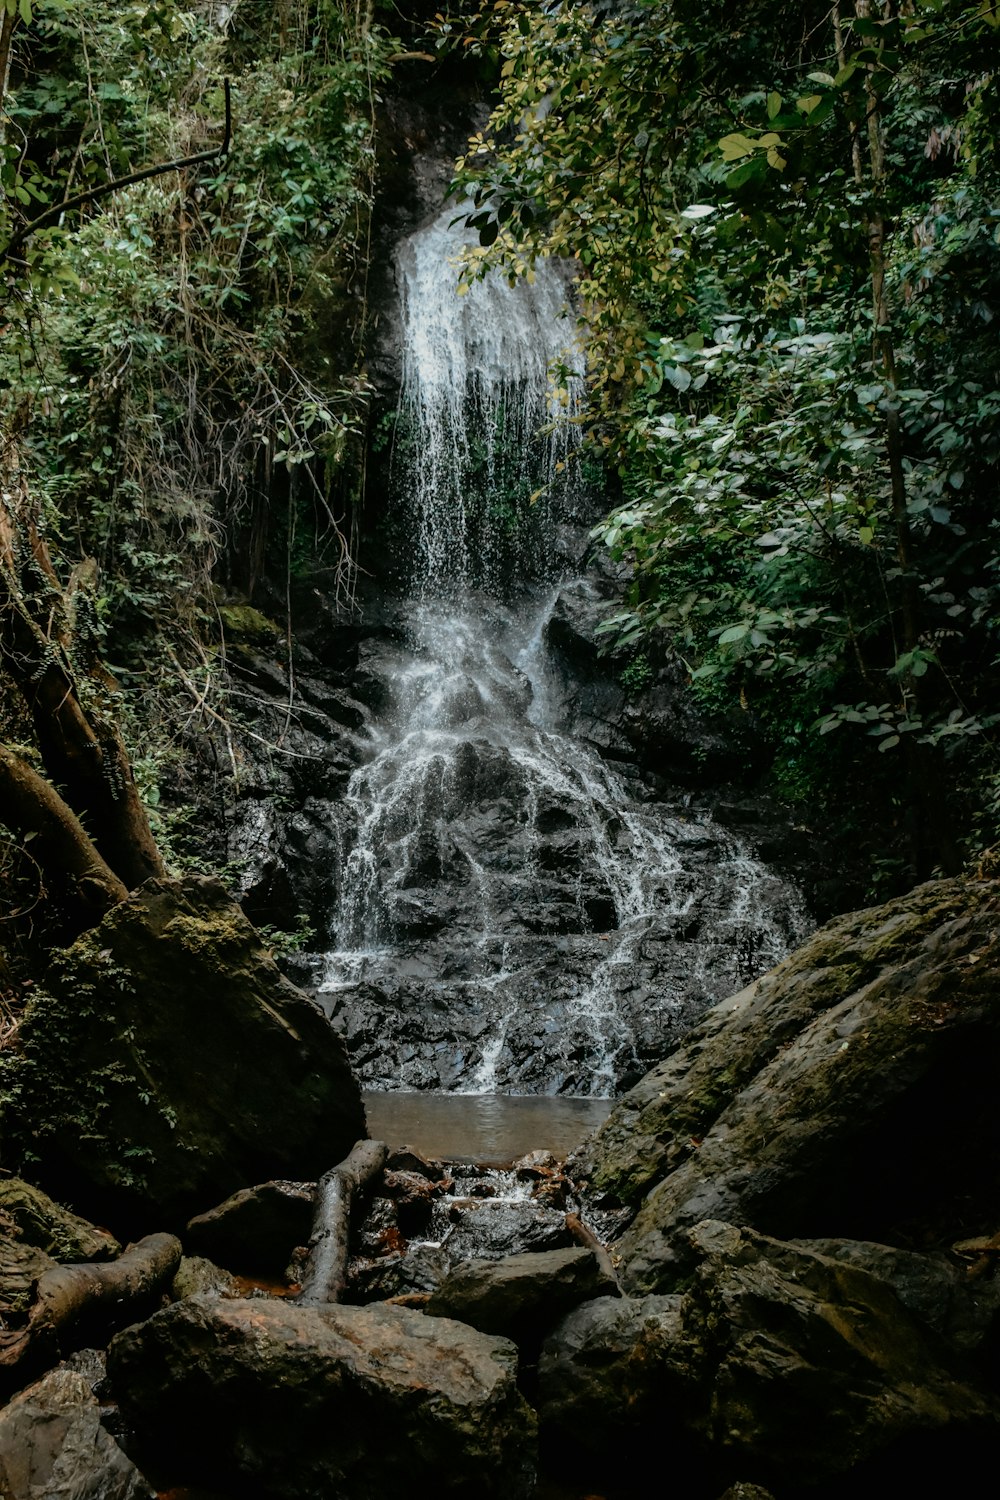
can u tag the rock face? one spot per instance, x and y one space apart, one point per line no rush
778 1364
53 1447
822 1101
357 1402
167 1062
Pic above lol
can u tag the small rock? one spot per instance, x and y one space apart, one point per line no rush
520 1296
405 1159
195 1275
53 1447
494 1228
535 1165
421 1269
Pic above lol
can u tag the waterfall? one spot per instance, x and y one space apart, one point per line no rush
513 913
476 393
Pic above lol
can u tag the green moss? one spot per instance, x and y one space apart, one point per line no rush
243 623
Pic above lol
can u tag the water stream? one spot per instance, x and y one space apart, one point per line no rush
514 913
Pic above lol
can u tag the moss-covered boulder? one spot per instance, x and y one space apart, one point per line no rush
850 1092
38 1220
166 1063
777 1364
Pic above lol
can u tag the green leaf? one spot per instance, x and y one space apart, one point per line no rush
735 147
773 105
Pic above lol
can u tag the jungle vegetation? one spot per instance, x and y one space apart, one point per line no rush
785 221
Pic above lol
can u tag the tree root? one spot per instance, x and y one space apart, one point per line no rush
75 1305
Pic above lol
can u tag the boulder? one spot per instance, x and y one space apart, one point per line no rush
53 1447
823 1100
166 1062
778 1365
257 1228
521 1296
295 1402
43 1223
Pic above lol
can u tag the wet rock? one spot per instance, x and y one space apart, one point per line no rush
776 1363
256 1229
352 1401
195 1275
418 1270
520 1296
167 1062
53 1447
413 1196
821 1101
45 1224
492 1228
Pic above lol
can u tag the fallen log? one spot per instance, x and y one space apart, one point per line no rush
326 1270
79 1304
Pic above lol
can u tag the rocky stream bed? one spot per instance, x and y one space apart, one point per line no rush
773 1266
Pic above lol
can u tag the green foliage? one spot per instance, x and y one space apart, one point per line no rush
789 267
181 365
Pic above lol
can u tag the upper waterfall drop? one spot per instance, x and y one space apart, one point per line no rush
492 382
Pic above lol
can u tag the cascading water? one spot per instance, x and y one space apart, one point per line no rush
512 914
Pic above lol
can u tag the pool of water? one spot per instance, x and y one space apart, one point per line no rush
482 1127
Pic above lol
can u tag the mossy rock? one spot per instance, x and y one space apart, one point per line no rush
823 1100
43 1223
166 1063
246 625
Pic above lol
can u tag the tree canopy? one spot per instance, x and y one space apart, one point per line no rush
787 222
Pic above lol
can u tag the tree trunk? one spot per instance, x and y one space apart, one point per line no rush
31 806
82 751
326 1272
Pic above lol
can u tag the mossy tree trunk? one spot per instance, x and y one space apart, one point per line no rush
81 747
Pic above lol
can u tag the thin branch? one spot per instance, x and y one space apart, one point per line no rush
50 215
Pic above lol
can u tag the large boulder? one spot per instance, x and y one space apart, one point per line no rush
167 1063
295 1402
823 1100
778 1364
53 1447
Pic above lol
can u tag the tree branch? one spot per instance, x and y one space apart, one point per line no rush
91 195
